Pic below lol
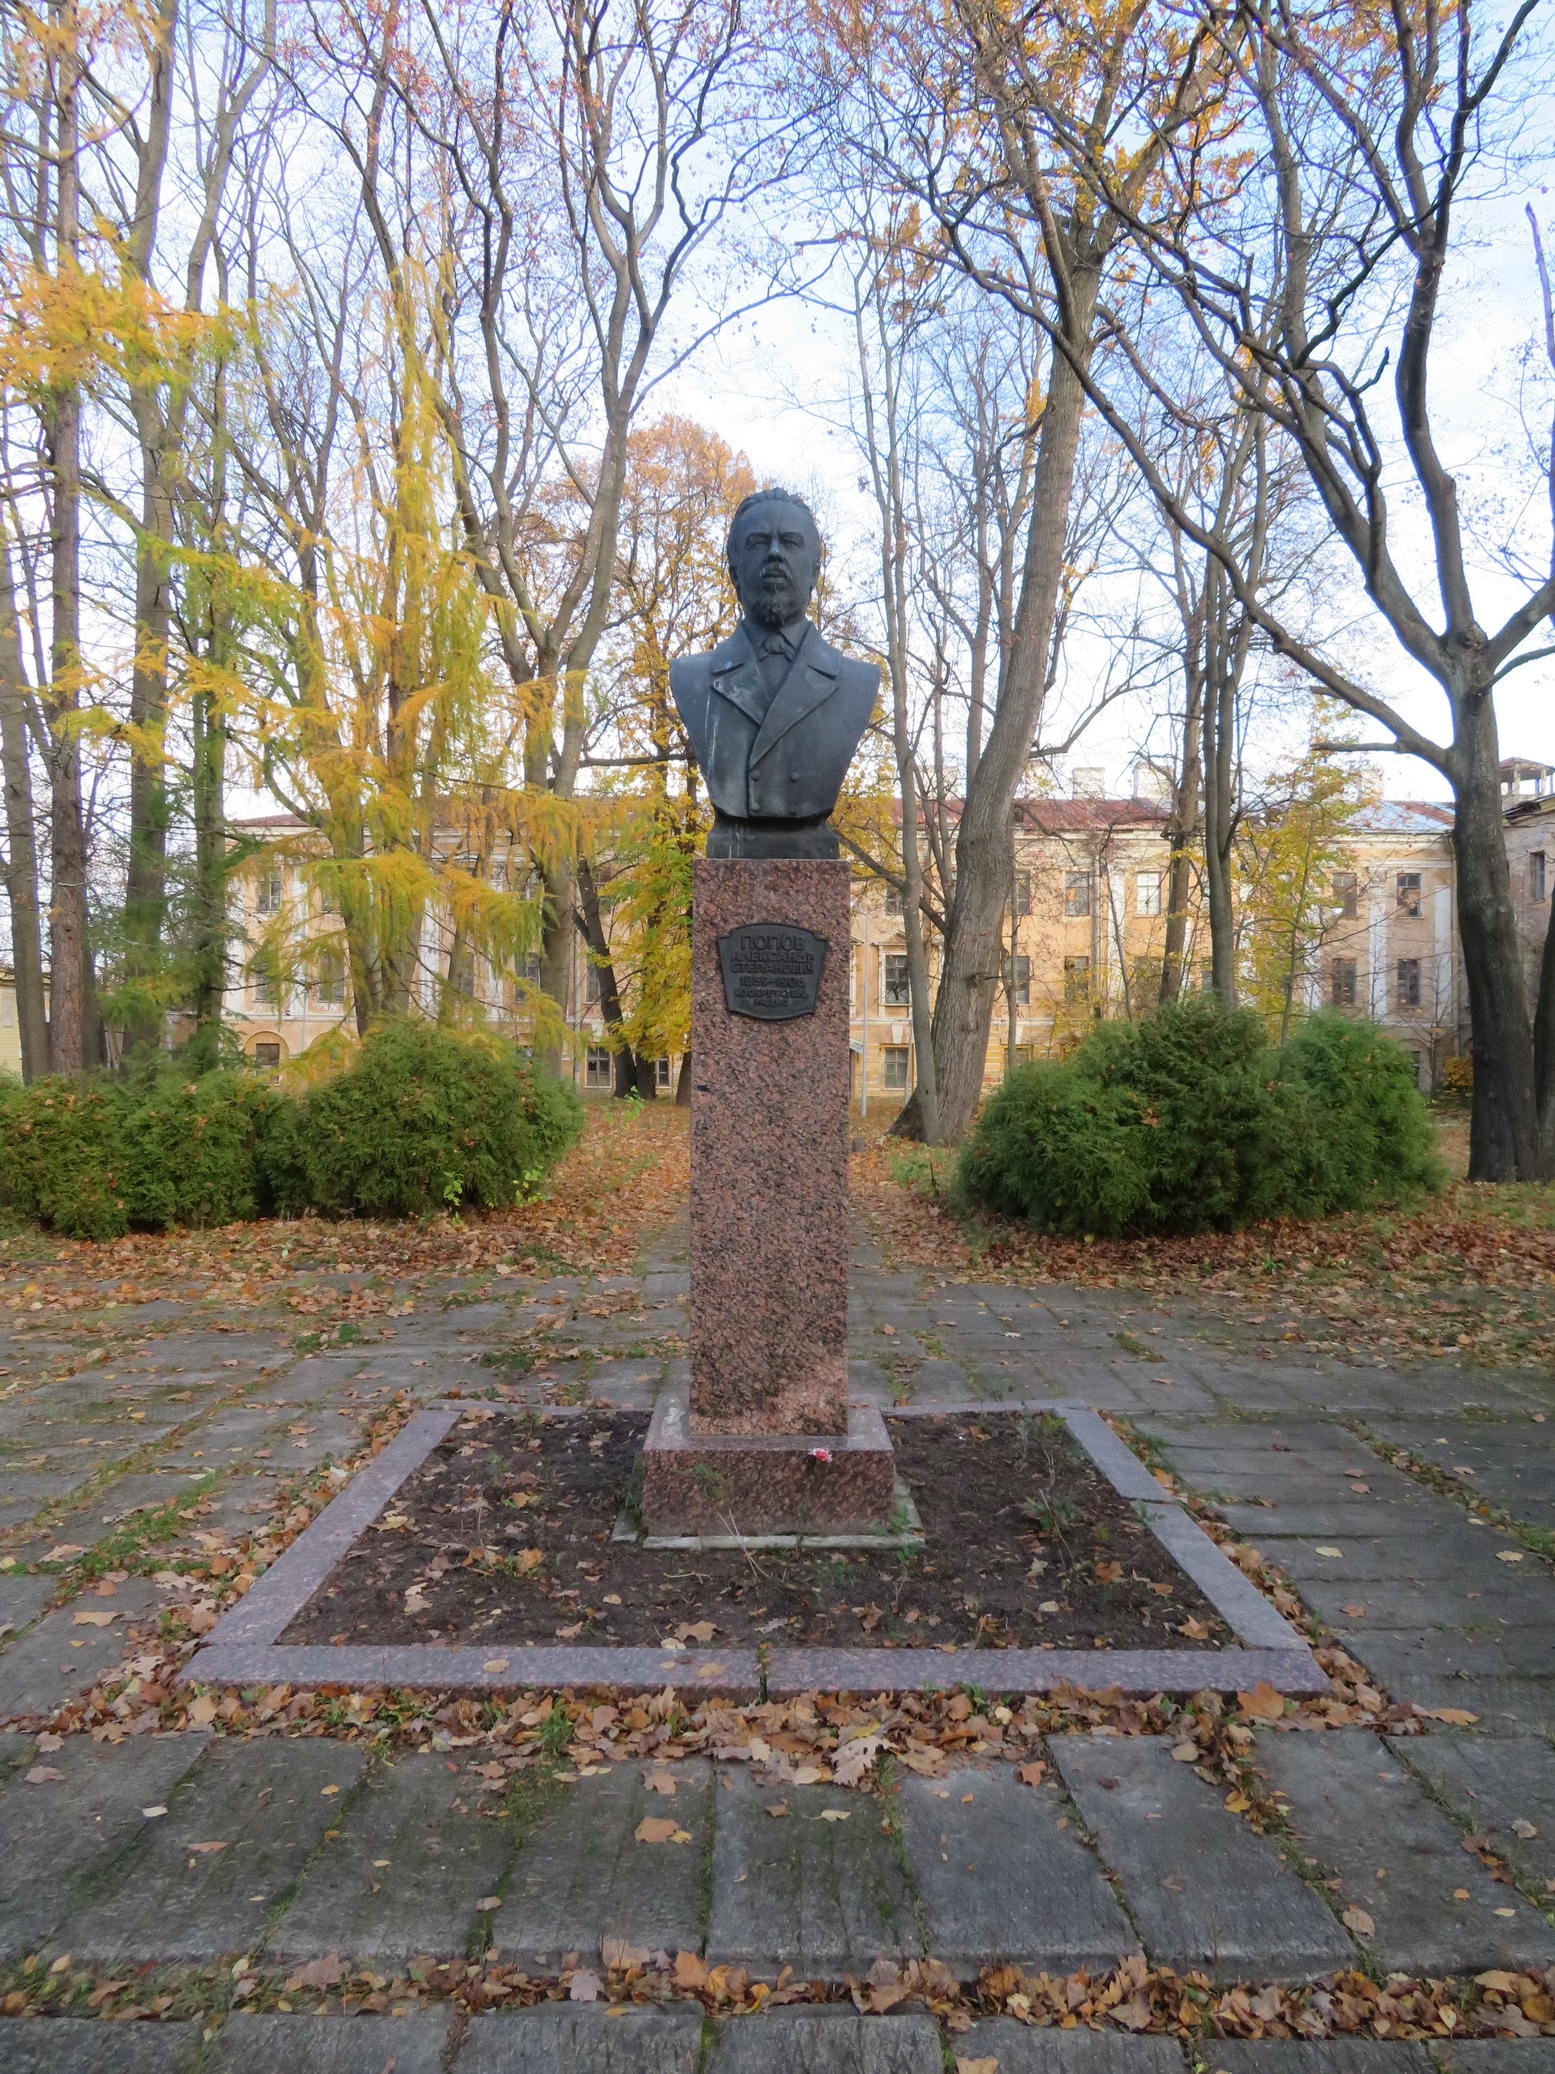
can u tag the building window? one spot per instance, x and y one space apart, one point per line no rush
1077 979
663 1079
330 979
1077 892
895 991
591 986
267 1057
1147 893
1020 980
893 898
597 1067
266 984
1342 982
1537 883
532 968
1022 902
267 893
1409 892
1409 982
1347 895
893 1068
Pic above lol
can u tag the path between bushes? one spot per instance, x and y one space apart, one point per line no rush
1443 1842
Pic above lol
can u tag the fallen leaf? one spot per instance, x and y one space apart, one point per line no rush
1186 1753
1109 1573
1336 1553
1134 2014
660 1781
1195 1630
1354 1612
1031 1774
204 1848
620 1957
1503 1555
63 1553
1263 1702
854 1759
319 1973
487 1903
1498 1981
152 1814
202 1711
834 1814
987 2065
885 1995
326 1791
778 1808
495 1663
1237 1802
1357 1920
696 1631
690 1972
586 1987
41 1774
809 1775
1524 1828
1455 1717
94 1620
657 1829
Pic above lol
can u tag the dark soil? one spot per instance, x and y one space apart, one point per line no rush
503 1536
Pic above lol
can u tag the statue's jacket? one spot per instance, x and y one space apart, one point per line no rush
785 761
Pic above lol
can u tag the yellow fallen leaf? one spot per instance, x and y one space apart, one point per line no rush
1455 1717
1506 1911
690 1972
1263 1702
657 1829
487 1903
1460 1893
1357 1920
93 1620
1509 1555
1498 1981
808 1775
834 1814
1332 1552
1238 1803
202 1711
326 1791
495 1663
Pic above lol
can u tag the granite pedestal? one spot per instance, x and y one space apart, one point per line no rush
766 1443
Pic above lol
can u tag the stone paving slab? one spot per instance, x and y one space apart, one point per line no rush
1494 2055
265 2044
78 2045
1331 2056
998 1880
582 1876
583 2038
1356 1812
1491 1785
41 1669
827 1897
60 1835
1018 2050
404 1874
22 1599
1204 1890
264 1803
825 2041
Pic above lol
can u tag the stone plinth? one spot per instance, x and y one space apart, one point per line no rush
769 1164
749 1485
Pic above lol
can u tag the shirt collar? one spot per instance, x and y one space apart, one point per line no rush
784 641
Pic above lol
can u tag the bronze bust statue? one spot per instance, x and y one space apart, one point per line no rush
774 713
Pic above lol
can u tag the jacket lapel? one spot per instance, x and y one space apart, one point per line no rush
737 677
811 680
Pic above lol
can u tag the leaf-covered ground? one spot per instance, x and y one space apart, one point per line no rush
1468 1275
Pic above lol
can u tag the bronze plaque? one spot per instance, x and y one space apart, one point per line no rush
771 970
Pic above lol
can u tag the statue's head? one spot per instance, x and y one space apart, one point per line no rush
774 556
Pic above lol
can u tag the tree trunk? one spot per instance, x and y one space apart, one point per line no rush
1185 824
683 1084
145 885
1504 1137
627 1071
1544 1043
21 873
963 1012
1219 757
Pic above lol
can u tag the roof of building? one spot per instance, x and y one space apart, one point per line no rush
1402 817
1087 816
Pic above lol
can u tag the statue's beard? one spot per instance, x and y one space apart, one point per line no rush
773 601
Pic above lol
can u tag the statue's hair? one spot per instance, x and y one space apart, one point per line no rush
772 494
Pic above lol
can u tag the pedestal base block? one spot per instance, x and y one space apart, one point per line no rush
747 1486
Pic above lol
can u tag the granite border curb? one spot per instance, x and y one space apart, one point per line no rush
243 1649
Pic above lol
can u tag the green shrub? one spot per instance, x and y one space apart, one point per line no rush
98 1157
1188 1121
421 1120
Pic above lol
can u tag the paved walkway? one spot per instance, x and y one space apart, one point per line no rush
1119 1851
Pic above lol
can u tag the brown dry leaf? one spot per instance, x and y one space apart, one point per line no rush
202 1848
660 1781
1186 1753
202 1712
696 1631
988 2064
1134 2015
1357 1920
1520 1827
586 1987
690 1972
620 1957
854 1759
42 1774
1455 1717
487 1903
1195 1630
94 1620
778 1808
1109 1573
885 1996
1263 1702
660 1829
1031 1774
319 1973
527 1559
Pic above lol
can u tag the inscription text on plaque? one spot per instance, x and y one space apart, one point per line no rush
771 970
